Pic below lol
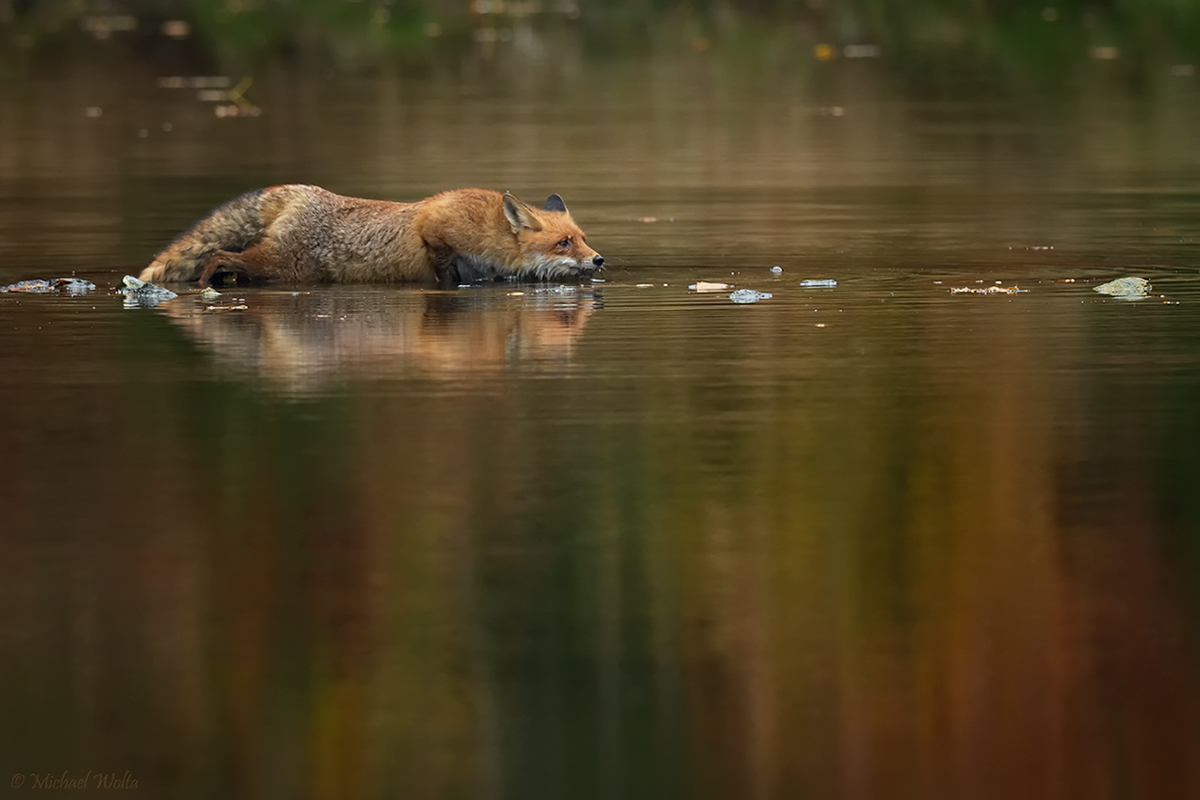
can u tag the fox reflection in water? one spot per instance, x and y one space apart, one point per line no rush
300 340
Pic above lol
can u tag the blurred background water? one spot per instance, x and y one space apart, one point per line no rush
614 539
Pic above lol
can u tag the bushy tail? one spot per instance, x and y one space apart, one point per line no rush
233 226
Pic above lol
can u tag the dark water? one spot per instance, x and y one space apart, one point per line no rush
619 539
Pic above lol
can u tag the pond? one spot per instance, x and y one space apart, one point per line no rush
621 538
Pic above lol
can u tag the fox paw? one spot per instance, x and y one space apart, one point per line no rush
155 273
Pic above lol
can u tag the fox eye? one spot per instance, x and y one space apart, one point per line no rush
565 243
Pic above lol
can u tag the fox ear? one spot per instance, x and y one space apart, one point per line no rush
519 215
555 203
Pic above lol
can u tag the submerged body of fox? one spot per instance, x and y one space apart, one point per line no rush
302 234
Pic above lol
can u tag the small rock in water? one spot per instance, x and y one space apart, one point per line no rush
72 286
749 296
140 293
1128 288
777 270
820 282
209 293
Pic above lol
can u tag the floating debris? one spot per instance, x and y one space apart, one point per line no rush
707 286
102 26
232 110
1131 288
195 82
176 29
645 285
139 293
237 104
29 287
71 286
749 296
818 282
209 293
228 308
987 290
777 270
862 51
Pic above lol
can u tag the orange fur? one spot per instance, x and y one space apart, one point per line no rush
305 234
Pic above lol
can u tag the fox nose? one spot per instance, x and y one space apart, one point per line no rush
598 260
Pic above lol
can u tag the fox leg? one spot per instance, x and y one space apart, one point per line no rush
248 264
222 262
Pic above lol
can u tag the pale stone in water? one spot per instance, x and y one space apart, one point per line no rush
749 296
1130 287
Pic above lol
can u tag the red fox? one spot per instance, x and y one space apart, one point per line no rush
306 234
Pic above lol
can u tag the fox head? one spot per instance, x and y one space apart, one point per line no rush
551 244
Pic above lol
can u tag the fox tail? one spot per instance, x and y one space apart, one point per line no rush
233 226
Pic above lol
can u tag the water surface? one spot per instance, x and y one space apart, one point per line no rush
614 539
